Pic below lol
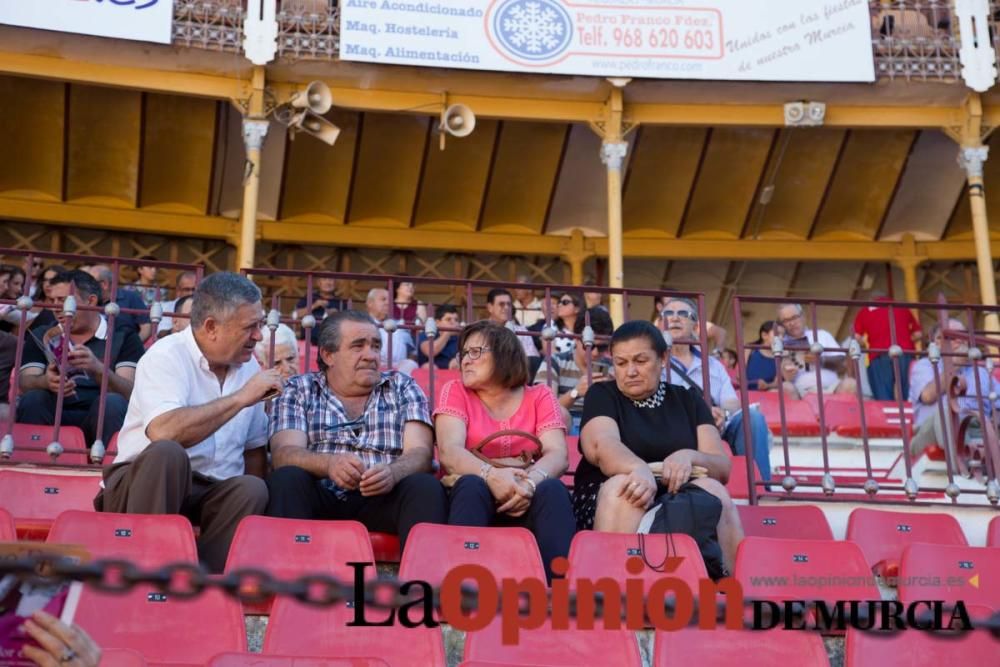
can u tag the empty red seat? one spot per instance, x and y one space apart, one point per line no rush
881 418
163 628
797 522
883 535
36 498
915 648
593 555
799 418
950 573
291 548
258 660
298 629
432 550
307 365
746 648
121 657
993 533
554 648
776 569
422 376
30 441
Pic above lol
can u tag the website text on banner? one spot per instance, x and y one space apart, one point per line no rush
777 40
143 20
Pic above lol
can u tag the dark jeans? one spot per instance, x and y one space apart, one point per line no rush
549 517
419 498
39 407
881 377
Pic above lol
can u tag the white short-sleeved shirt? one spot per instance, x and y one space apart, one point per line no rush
175 374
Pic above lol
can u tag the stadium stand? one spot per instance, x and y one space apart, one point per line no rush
799 417
950 573
505 552
554 648
796 522
37 438
883 535
593 555
258 660
914 648
35 498
743 648
120 657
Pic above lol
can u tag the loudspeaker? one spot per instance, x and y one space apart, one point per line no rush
315 125
316 98
458 120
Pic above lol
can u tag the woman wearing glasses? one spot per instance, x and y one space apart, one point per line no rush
492 397
567 308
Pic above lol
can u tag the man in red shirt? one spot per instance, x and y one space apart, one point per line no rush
872 323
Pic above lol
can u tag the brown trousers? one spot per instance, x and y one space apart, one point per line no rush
160 481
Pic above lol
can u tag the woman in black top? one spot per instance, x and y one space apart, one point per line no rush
637 420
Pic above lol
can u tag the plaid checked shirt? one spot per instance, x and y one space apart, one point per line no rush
308 405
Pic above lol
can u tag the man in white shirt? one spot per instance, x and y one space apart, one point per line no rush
194 435
500 307
527 307
402 342
799 366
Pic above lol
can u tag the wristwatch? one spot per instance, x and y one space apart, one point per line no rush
574 394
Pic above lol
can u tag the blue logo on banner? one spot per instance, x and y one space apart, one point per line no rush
137 3
534 30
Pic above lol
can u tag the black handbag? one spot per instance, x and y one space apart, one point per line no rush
692 511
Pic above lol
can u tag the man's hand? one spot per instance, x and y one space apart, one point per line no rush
677 469
82 358
719 415
261 385
346 470
377 480
640 487
52 377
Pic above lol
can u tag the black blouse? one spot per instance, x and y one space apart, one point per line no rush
652 434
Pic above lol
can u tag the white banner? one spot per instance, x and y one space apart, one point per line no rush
143 20
762 40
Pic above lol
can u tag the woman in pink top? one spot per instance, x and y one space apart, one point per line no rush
492 397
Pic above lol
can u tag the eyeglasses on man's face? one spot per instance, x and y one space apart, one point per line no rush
473 353
790 319
683 312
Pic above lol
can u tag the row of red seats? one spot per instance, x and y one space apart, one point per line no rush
841 415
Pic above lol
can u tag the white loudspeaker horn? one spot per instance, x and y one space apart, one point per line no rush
317 126
316 98
458 120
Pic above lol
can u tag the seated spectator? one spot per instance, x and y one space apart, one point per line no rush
184 286
37 265
194 437
716 335
568 370
50 272
402 341
88 337
527 307
126 299
871 326
15 282
761 371
500 310
567 309
405 307
145 284
492 397
798 369
286 351
350 442
928 429
686 361
324 303
636 420
11 286
445 346
182 307
731 363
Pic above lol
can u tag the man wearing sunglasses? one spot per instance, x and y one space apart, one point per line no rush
680 320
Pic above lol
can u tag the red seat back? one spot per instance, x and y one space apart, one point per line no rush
121 657
593 555
881 418
799 418
36 498
738 648
950 573
37 438
258 660
555 648
148 540
422 376
915 648
882 535
797 522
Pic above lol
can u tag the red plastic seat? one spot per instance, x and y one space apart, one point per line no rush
883 535
8 533
422 376
258 660
385 547
799 417
950 573
881 418
36 498
737 486
161 627
298 629
555 648
121 657
38 438
307 365
796 522
776 569
291 548
432 550
721 646
915 648
593 555
993 533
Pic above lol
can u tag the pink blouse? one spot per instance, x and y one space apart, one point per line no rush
538 412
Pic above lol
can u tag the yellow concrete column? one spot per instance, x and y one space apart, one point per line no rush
575 254
612 154
971 158
254 131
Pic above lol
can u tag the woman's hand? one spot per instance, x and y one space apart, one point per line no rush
59 645
509 489
677 469
640 487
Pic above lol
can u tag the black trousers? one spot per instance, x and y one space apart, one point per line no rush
39 407
549 517
296 494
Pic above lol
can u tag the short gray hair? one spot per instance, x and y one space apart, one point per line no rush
282 336
104 273
796 306
328 336
219 295
373 292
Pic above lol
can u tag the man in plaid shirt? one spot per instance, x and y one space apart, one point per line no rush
351 442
